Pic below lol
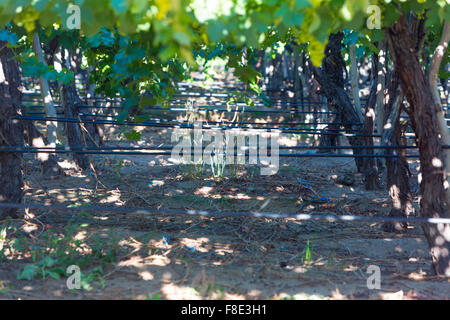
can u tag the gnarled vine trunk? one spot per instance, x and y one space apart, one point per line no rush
69 98
371 181
11 131
405 42
50 168
49 107
331 80
397 168
433 77
354 80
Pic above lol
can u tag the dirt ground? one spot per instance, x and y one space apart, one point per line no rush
192 257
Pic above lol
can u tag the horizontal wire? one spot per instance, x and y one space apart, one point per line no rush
169 147
270 215
167 121
164 153
212 109
205 127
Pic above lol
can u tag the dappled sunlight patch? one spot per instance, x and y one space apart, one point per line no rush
81 235
160 244
254 294
297 296
286 141
351 268
417 276
392 295
114 197
195 243
146 275
436 162
29 228
27 288
319 263
233 296
61 198
300 269
130 242
100 218
162 161
398 249
174 292
65 164
156 183
157 260
241 196
203 190
223 250
337 295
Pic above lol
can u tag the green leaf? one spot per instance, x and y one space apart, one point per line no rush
182 38
443 74
120 6
369 45
390 15
133 135
255 87
352 38
215 30
300 4
65 78
54 275
48 262
28 273
316 51
5 35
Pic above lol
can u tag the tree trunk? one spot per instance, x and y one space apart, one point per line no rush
276 82
303 73
11 131
50 168
354 80
370 169
68 100
381 87
433 79
405 42
284 66
90 95
298 88
379 109
397 168
331 81
259 66
49 107
329 139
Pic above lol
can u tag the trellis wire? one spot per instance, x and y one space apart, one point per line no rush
164 153
207 122
169 147
34 114
196 109
205 127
